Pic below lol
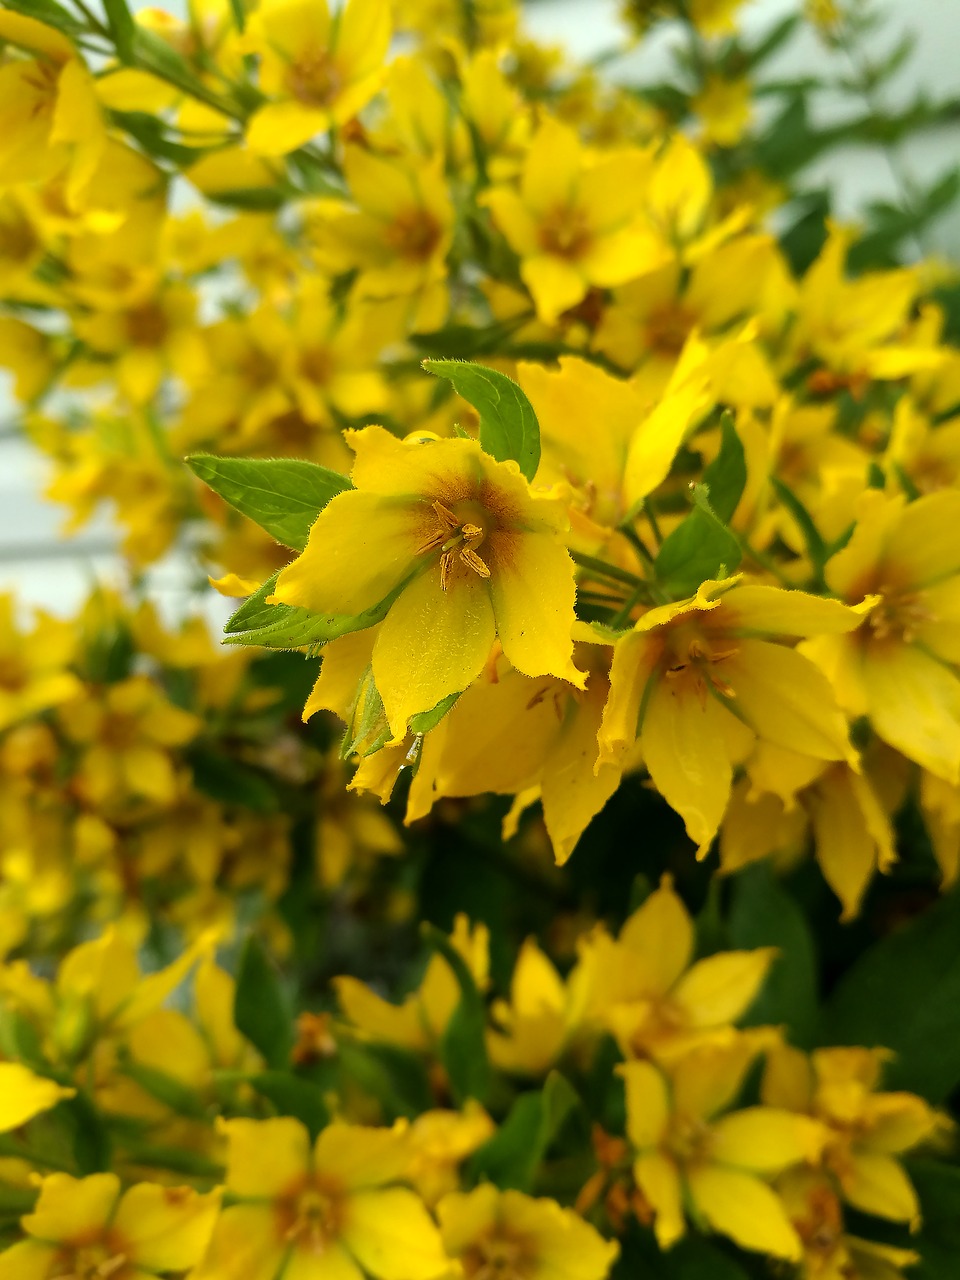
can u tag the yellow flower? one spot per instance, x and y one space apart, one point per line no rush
829 1253
536 740
323 1211
515 1237
867 1129
24 1095
439 1142
470 552
126 734
851 325
397 237
321 69
723 107
900 668
33 674
542 1016
50 122
86 1227
704 678
718 1164
643 987
576 221
419 1023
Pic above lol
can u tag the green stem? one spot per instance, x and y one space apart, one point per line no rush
604 570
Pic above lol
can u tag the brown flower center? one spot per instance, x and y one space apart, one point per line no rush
564 232
456 537
314 79
311 1216
499 1257
898 616
692 663
414 233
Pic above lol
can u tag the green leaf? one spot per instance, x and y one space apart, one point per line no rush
122 27
287 626
513 1154
424 721
702 546
463 1048
254 199
260 1008
763 914
173 1093
904 993
224 778
294 1096
282 495
508 424
816 547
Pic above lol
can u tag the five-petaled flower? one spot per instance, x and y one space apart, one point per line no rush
464 552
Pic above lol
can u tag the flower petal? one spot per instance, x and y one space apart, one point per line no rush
915 706
359 1157
774 611
720 988
660 936
360 547
744 1209
788 700
648 1104
877 1184
766 1139
168 1227
264 1157
659 1180
532 589
246 1245
392 1236
73 1208
432 643
280 127
685 747
24 1095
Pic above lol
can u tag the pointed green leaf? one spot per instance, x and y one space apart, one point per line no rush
122 28
508 424
904 993
282 495
261 1009
511 1157
463 1049
287 626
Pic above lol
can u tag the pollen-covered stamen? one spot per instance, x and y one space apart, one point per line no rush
899 615
699 666
456 540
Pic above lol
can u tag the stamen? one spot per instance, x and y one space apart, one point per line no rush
470 558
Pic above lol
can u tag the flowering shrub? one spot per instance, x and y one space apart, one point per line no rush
551 874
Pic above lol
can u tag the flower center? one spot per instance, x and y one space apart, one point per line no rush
413 233
898 616
312 1218
498 1258
314 79
93 1263
564 232
668 328
147 325
693 661
456 537
689 1138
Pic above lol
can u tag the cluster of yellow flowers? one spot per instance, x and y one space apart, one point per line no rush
591 493
341 1184
119 804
